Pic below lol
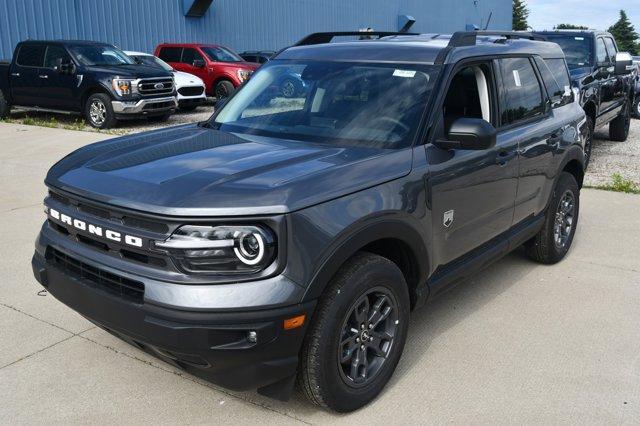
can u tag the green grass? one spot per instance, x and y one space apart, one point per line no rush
620 184
52 122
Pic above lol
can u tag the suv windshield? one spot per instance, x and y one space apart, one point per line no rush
151 61
375 105
221 54
100 55
577 49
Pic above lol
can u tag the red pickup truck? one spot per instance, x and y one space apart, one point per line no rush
221 69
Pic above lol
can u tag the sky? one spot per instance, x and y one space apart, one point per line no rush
597 14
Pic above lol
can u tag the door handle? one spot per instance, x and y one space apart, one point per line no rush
43 76
505 156
15 74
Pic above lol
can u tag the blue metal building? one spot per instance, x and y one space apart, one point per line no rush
239 24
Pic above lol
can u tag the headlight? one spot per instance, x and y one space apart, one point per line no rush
122 86
243 75
221 249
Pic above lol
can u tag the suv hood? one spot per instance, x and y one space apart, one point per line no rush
196 171
129 71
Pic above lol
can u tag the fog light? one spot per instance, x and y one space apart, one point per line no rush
252 336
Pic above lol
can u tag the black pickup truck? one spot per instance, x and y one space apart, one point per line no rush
94 79
603 76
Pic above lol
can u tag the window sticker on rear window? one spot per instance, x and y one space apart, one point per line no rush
404 73
516 78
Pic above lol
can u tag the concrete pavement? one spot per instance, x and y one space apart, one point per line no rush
520 343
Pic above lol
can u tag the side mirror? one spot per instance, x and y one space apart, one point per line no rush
65 67
623 63
198 63
469 133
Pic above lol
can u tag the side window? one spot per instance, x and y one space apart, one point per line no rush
601 51
555 76
522 95
469 95
189 55
611 48
54 55
31 55
171 54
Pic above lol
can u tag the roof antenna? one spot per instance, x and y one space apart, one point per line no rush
488 21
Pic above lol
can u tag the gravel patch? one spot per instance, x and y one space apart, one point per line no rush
609 157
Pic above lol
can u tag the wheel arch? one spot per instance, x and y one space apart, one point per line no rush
92 90
397 241
591 110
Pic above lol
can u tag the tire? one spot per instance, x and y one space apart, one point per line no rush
98 111
4 107
548 246
223 89
322 377
588 143
636 108
619 127
288 88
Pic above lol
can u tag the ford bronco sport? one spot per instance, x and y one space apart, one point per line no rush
291 237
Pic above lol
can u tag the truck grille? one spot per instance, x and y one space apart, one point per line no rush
106 281
191 91
156 86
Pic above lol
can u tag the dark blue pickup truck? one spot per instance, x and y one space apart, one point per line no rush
94 79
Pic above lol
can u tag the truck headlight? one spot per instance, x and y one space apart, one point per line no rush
122 86
243 75
221 249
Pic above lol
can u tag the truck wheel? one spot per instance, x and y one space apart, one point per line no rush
4 107
357 334
553 241
99 112
619 127
223 89
588 142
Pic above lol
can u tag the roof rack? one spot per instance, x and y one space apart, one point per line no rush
319 38
468 38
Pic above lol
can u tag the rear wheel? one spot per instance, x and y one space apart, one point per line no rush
223 89
357 335
99 112
553 241
619 127
4 106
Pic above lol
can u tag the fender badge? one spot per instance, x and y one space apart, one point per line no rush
447 220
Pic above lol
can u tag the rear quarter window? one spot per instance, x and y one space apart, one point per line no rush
555 76
170 54
31 55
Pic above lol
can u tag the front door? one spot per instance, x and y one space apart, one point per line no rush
57 89
472 191
189 57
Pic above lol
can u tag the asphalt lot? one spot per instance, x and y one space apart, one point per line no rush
520 343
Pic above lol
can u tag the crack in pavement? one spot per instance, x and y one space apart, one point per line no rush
192 379
37 352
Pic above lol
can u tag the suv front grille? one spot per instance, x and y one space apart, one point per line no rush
156 86
191 91
106 281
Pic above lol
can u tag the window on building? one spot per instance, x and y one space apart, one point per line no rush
556 80
521 91
31 55
171 54
54 56
189 55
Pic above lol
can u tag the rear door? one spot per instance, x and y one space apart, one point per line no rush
57 89
619 92
25 74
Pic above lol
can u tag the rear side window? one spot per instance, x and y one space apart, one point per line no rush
189 55
556 80
170 54
522 95
31 55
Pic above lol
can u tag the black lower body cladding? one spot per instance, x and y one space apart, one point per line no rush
237 350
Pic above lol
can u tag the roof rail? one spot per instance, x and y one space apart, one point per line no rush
468 38
319 38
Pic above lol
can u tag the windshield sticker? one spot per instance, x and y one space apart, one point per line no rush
404 73
579 38
516 77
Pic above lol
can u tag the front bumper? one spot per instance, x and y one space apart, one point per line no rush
145 106
214 344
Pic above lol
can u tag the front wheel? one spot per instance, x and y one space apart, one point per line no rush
357 335
553 241
619 127
223 89
99 112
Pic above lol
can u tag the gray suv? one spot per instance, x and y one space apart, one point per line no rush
290 238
